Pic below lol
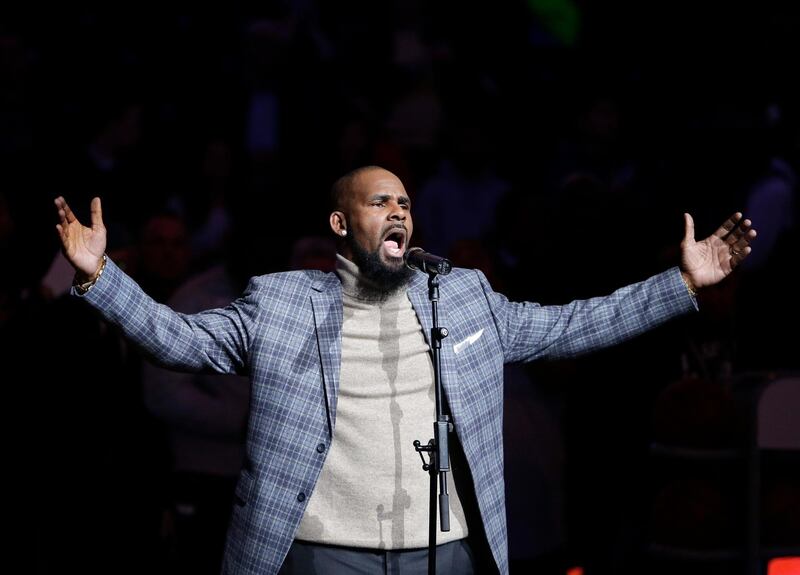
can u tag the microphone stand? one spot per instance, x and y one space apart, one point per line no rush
437 448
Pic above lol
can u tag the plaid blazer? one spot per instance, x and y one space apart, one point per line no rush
285 332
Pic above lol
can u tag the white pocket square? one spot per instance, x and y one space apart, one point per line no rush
469 340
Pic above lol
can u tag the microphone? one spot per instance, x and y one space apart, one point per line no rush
418 259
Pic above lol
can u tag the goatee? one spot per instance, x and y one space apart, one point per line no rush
382 280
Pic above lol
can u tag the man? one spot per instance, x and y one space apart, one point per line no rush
342 381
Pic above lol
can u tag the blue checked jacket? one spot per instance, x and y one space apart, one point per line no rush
284 331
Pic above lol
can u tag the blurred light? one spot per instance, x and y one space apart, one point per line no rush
579 571
561 19
784 566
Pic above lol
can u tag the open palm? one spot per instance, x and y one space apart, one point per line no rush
83 246
709 261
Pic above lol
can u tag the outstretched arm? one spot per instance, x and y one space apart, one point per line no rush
212 340
83 247
709 261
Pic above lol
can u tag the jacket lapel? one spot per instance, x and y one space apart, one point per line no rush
326 301
418 294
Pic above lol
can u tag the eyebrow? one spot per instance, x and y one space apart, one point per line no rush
387 197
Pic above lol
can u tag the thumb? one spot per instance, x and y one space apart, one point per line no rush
96 213
688 235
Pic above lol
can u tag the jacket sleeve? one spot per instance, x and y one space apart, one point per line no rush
214 340
530 331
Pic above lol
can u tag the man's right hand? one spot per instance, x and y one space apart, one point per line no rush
83 247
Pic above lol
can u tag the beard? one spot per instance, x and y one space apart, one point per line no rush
383 279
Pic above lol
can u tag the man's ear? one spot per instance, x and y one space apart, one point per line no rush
338 223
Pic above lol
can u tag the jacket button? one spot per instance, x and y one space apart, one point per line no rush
301 497
320 448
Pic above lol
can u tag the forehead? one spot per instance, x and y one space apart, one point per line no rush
376 183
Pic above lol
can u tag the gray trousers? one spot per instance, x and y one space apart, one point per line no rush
454 558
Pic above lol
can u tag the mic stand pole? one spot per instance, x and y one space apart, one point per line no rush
437 448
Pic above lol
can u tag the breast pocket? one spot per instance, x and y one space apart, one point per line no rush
466 342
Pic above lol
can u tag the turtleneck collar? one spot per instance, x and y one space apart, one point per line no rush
352 279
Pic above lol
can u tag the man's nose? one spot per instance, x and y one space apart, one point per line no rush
397 213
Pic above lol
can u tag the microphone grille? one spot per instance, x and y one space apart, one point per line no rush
406 255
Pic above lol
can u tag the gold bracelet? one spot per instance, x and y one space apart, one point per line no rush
84 287
689 288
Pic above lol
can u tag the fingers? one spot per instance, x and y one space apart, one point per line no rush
741 245
729 227
737 232
69 216
61 226
688 235
65 214
60 206
738 240
740 235
96 213
737 255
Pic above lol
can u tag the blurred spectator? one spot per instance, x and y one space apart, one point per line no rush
767 284
164 256
460 201
112 164
204 202
534 451
313 253
205 416
101 484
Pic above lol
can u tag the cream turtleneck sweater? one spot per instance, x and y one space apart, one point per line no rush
372 491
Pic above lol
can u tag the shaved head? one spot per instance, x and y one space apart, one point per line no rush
342 189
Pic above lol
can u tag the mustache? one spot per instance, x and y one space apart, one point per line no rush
395 227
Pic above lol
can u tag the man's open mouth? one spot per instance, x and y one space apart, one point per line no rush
394 242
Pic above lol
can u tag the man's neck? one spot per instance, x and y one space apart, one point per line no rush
356 285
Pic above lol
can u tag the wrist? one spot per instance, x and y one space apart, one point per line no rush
83 283
690 287
82 276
